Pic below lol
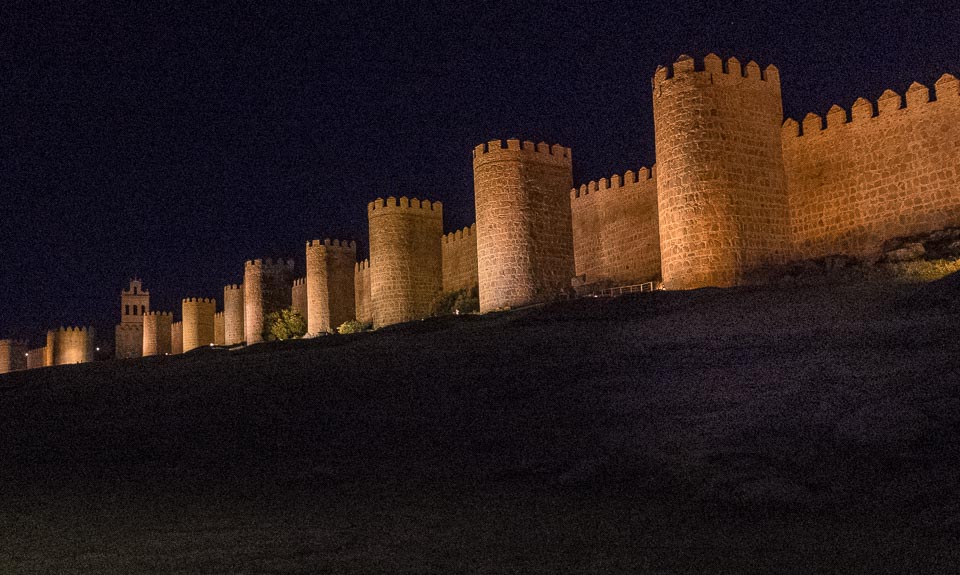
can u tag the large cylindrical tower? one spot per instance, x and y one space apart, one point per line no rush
72 345
330 284
156 333
721 186
405 250
267 288
233 314
524 230
198 322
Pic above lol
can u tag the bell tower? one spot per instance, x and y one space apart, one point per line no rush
134 304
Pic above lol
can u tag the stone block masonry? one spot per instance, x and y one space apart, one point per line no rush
70 345
524 237
198 322
330 284
875 174
459 256
176 338
362 296
156 333
267 288
405 268
721 188
616 229
233 314
13 355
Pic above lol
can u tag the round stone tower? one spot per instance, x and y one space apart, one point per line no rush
330 284
721 186
267 288
198 322
405 251
233 314
524 229
71 345
156 333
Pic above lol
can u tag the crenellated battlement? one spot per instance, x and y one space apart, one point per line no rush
946 91
159 313
713 70
270 263
458 235
341 246
362 266
73 329
392 204
233 287
615 181
297 282
514 149
199 300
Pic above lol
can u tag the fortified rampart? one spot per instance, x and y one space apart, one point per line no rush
298 296
721 188
735 188
616 229
877 174
176 338
331 285
218 329
36 358
198 322
406 273
69 345
156 333
459 259
524 238
362 296
267 288
233 314
13 355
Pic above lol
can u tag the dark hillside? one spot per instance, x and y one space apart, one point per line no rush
789 430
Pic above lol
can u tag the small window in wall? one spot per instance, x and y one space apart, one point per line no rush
126 310
134 290
143 309
134 310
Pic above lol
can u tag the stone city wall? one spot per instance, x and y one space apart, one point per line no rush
459 257
874 174
616 235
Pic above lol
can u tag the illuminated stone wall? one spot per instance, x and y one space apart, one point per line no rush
524 235
71 345
362 296
331 284
198 322
267 288
879 173
616 235
459 254
128 336
298 296
218 329
721 185
12 355
176 337
233 314
156 333
405 268
35 357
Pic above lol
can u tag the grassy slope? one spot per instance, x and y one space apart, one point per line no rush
752 430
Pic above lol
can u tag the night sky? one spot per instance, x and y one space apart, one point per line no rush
171 143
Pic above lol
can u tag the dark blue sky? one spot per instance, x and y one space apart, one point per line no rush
172 143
